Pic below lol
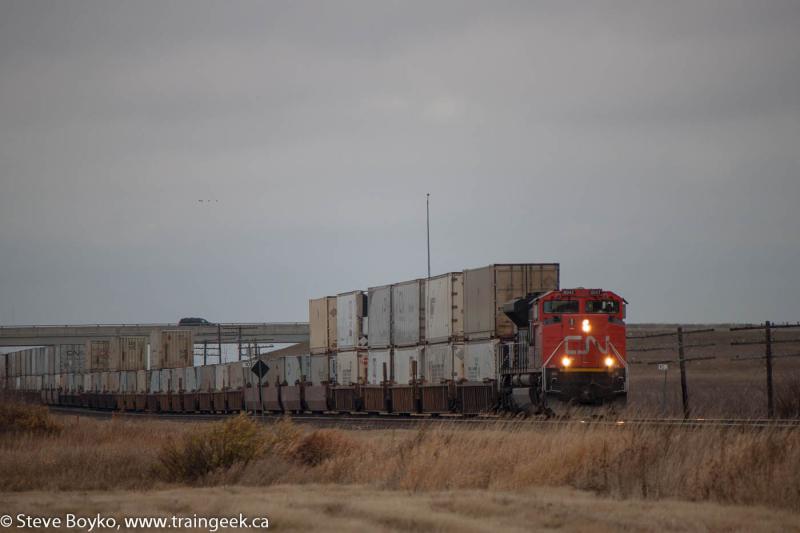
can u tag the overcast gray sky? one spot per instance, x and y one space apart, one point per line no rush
650 148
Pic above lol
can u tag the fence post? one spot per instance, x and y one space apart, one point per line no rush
682 365
768 339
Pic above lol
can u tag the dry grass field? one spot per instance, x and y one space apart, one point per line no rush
360 508
572 478
720 387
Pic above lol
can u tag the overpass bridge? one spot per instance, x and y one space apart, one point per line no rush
224 333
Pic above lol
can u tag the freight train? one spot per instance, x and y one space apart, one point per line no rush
568 346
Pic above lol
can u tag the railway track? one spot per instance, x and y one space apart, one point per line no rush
376 422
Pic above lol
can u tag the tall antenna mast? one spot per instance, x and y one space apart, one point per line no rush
428 211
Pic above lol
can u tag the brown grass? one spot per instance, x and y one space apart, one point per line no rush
729 466
360 508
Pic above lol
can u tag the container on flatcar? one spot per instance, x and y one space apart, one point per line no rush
378 360
351 308
319 369
444 362
444 307
404 359
480 360
351 367
72 358
322 324
101 355
408 313
171 348
380 316
486 289
132 353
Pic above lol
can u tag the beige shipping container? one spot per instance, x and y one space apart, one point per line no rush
351 367
444 307
487 289
171 348
102 355
132 353
322 324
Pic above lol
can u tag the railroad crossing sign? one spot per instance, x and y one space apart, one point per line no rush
663 367
260 369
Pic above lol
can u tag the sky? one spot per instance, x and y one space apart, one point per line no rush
230 160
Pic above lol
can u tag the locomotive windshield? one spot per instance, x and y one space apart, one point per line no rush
602 306
561 306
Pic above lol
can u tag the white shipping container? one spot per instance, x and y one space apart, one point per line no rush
155 381
480 360
190 385
176 376
220 377
403 363
408 316
71 358
114 382
444 362
320 369
142 381
444 307
291 369
379 321
165 381
351 367
275 372
349 312
206 375
236 375
377 359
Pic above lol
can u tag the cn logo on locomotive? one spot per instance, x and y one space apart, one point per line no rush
585 349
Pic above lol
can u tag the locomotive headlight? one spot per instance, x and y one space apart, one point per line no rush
586 326
566 361
609 361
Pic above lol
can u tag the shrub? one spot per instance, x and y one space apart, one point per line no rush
22 418
321 445
236 441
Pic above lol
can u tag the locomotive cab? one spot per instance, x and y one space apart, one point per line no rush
578 340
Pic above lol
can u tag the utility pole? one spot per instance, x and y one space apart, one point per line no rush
768 354
428 216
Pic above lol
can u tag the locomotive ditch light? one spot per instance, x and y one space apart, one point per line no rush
586 326
566 361
609 361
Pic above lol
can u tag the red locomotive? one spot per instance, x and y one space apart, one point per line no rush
571 349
